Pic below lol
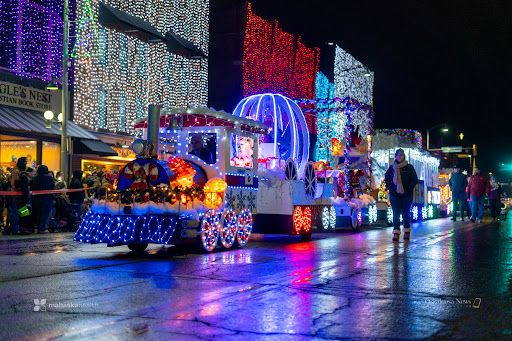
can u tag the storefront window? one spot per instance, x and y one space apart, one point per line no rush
51 156
10 151
90 166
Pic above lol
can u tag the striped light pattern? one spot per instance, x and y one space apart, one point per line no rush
277 61
117 76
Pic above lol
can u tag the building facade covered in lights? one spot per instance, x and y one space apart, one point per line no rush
113 77
253 55
30 59
118 76
256 55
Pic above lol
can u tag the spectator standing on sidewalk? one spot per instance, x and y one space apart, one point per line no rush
14 223
3 199
42 203
495 199
59 181
76 198
401 178
478 187
458 183
21 183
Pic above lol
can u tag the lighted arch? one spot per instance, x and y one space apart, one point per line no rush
288 128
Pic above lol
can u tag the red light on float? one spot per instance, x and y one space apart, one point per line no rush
302 219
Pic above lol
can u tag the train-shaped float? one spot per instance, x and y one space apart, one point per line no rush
214 178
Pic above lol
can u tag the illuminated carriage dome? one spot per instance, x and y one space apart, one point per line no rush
288 135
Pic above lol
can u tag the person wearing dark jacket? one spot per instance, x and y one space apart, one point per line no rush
401 178
458 183
76 198
22 185
14 182
42 203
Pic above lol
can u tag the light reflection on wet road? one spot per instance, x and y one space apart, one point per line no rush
338 285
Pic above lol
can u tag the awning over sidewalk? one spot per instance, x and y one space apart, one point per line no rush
26 121
93 147
115 19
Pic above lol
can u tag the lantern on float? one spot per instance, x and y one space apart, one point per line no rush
214 191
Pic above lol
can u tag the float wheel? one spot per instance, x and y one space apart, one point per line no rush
332 217
244 228
325 218
290 169
310 179
228 228
209 231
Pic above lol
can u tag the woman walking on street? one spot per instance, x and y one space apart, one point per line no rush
401 178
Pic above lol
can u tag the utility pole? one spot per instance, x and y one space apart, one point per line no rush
64 140
473 161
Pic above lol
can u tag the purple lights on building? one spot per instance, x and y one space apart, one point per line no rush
31 37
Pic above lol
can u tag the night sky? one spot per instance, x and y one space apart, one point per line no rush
434 62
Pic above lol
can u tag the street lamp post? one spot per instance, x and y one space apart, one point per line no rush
64 140
444 130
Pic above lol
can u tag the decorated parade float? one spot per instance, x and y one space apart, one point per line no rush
427 194
194 178
214 178
298 196
343 153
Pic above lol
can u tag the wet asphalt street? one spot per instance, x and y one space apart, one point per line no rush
450 280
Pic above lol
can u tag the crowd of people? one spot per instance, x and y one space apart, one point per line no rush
468 195
47 212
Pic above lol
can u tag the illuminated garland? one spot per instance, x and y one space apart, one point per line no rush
389 214
117 230
129 74
430 213
372 213
414 211
159 194
276 61
417 212
328 217
424 214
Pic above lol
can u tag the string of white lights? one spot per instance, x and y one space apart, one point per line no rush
117 76
351 78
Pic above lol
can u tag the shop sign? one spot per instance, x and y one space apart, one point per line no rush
24 97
